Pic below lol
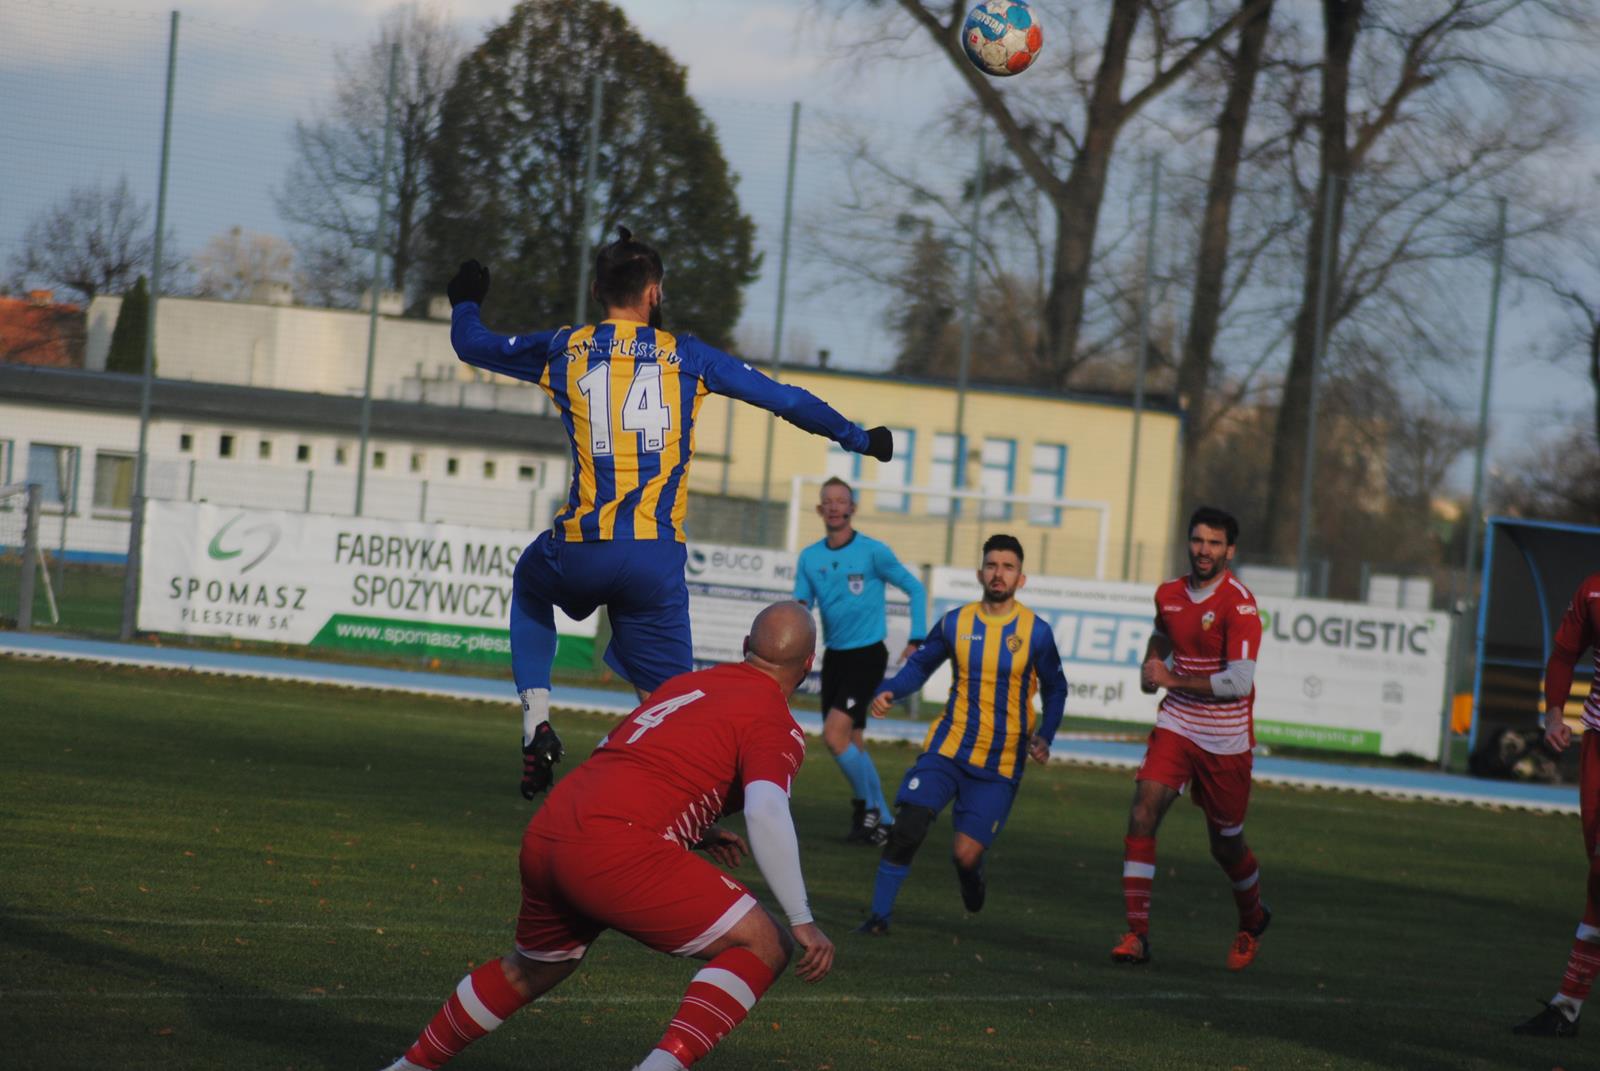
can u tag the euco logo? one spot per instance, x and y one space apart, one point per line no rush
259 539
725 559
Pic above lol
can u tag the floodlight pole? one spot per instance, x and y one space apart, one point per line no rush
591 167
130 581
777 321
1476 518
377 278
1319 356
1139 363
964 367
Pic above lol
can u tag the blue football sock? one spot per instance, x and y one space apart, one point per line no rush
890 877
875 789
855 766
533 641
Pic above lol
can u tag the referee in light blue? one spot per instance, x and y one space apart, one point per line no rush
842 575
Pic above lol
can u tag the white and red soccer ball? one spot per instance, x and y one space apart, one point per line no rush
1002 37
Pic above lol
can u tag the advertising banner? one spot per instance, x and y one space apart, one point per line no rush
729 585
345 583
1334 675
408 588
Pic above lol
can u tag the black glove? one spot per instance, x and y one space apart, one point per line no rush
537 758
880 443
471 283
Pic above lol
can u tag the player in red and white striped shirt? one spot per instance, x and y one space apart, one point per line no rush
1203 652
1580 629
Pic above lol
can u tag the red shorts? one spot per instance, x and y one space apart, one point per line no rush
1589 788
626 880
1218 784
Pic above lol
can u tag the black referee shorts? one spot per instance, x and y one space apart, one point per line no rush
850 678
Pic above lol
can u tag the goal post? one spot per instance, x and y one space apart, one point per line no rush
19 553
1064 536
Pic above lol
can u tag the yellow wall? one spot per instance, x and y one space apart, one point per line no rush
1098 437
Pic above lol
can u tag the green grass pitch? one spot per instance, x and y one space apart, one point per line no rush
210 873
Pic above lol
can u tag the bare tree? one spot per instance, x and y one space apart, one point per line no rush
1554 480
330 194
1069 163
1425 109
95 240
232 265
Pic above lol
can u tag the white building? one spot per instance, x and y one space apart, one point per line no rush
77 433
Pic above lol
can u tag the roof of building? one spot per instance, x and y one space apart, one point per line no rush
1155 401
37 331
258 407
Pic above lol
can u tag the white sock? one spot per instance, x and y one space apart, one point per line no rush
535 711
1569 1007
660 1060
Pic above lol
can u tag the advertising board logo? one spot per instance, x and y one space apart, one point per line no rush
258 539
696 563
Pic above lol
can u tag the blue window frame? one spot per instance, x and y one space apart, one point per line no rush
998 477
901 470
1048 479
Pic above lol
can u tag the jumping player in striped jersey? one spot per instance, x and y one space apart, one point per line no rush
1203 652
1001 653
1580 629
628 394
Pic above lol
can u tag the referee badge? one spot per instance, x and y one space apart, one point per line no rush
858 583
1207 621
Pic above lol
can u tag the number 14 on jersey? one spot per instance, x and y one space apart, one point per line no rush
644 409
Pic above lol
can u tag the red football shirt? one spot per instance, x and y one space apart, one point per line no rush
681 760
1579 627
1207 633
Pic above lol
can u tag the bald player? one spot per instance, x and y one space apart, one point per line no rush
613 848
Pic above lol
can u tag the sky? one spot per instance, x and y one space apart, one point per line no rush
82 82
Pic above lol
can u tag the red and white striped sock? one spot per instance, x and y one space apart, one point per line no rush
1138 879
1583 963
480 1003
718 999
1246 878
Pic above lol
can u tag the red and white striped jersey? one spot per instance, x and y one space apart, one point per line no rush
1580 626
1206 635
681 760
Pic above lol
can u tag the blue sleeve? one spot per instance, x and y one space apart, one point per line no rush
734 378
920 666
518 356
1052 679
890 569
802 582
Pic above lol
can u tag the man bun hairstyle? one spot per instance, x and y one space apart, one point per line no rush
1001 541
623 268
1212 517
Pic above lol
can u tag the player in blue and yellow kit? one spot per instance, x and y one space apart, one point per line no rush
628 394
843 575
1001 653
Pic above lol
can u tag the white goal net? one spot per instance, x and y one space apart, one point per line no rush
946 526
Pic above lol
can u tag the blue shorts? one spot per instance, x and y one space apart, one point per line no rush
982 803
641 585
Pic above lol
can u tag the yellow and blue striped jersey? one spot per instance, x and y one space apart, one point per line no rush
628 395
998 664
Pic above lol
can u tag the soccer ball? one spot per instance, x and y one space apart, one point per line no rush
1002 37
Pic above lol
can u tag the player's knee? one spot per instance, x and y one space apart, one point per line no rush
967 854
1228 850
906 836
1142 820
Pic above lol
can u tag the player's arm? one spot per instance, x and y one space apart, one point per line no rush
803 591
518 356
1052 690
776 848
892 572
1157 652
1574 635
730 376
915 673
